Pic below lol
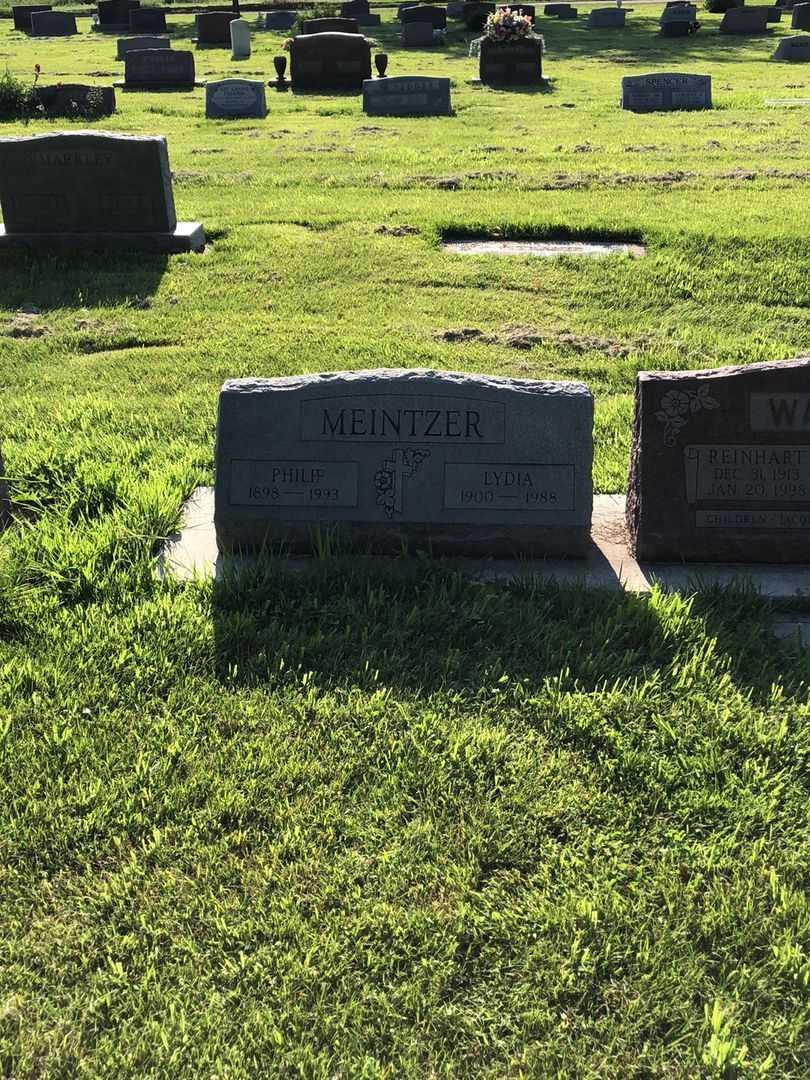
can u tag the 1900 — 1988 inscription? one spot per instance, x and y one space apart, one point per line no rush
387 459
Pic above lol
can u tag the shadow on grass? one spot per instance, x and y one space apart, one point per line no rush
50 280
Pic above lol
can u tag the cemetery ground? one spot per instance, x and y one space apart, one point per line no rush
375 820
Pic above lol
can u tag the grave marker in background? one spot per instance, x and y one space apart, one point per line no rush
134 44
230 99
794 49
662 92
158 69
406 95
52 24
22 15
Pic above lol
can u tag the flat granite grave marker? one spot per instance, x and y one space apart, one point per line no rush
53 24
666 92
720 464
406 95
468 464
234 99
606 19
794 49
90 190
800 19
158 69
22 15
240 39
134 44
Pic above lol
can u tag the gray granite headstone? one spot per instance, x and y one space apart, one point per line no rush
406 95
745 20
214 27
158 69
801 17
134 44
75 100
115 13
464 463
240 39
52 24
436 16
607 19
666 92
279 20
22 15
331 26
720 464
330 61
148 20
230 99
86 189
794 49
417 34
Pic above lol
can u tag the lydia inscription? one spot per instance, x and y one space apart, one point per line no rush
721 459
465 463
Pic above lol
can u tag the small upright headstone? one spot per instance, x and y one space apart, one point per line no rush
720 464
279 20
214 27
406 95
232 99
745 20
22 15
148 20
158 69
352 8
75 101
466 464
476 14
240 40
555 10
774 14
607 19
330 61
801 17
133 44
90 190
114 14
794 49
52 24
417 34
436 16
666 92
331 26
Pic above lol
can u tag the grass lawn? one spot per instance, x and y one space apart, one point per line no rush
366 825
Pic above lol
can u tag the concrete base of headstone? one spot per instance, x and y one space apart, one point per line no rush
608 563
186 236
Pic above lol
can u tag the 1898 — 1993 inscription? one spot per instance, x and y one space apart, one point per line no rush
464 463
720 468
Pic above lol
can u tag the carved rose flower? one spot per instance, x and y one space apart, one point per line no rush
675 403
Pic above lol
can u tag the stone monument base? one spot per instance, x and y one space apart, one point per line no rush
186 236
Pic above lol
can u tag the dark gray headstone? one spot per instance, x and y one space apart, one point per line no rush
90 189
279 20
52 24
678 13
436 16
352 8
518 64
774 15
720 464
745 20
330 61
368 19
214 27
607 19
116 12
554 10
159 69
794 49
465 463
417 34
148 20
666 92
229 99
406 95
331 26
476 14
76 100
801 17
135 44
22 15
455 9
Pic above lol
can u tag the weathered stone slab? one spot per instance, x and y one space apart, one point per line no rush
801 17
90 189
240 40
794 49
214 27
231 99
607 19
745 20
158 69
135 44
75 100
148 20
406 95
666 92
22 15
52 24
720 464
464 463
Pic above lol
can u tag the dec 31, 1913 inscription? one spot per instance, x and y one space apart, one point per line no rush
389 458
720 467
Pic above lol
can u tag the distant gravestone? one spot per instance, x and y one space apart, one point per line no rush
679 13
468 464
774 15
555 10
607 19
794 49
720 464
279 20
232 99
240 40
666 92
90 190
158 69
570 13
417 34
801 17
406 95
52 24
455 9
476 14
745 20
214 27
114 14
331 26
436 16
352 8
330 61
368 19
148 20
519 64
22 15
135 44
75 101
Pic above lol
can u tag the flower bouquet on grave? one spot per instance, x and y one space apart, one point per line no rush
506 26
